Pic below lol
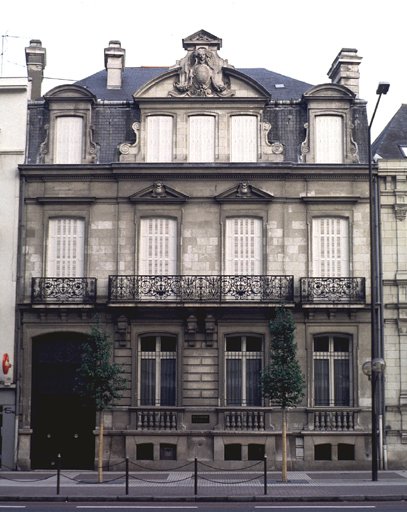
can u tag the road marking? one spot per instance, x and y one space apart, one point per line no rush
341 507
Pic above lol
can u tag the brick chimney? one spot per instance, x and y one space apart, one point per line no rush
36 59
345 69
114 64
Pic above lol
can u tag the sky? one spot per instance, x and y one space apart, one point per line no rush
296 38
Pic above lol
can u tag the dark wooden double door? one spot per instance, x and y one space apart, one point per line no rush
60 422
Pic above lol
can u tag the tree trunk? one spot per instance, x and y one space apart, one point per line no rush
100 461
284 445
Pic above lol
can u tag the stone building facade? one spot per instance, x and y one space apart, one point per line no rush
13 124
184 205
390 151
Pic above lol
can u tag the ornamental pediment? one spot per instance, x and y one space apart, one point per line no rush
159 192
202 73
243 192
329 91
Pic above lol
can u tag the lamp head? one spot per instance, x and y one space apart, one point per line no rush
383 88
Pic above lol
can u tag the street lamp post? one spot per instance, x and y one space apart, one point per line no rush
376 305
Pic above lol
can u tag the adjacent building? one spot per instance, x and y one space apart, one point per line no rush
13 128
183 205
390 151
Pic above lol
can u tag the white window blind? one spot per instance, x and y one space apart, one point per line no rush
68 140
329 139
159 139
201 138
330 247
65 254
244 139
158 246
243 246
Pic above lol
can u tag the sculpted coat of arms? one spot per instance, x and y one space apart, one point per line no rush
201 71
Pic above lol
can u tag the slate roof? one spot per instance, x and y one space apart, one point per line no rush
387 145
134 78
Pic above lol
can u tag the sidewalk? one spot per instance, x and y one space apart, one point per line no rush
211 486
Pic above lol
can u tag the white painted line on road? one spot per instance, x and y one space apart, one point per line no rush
12 506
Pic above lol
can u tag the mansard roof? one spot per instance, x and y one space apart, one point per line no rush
389 142
280 87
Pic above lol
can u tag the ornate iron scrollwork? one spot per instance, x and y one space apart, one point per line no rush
201 288
333 289
63 289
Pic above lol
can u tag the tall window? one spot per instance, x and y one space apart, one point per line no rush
244 360
159 139
332 370
243 246
202 139
65 248
158 248
68 140
330 247
157 370
243 139
329 139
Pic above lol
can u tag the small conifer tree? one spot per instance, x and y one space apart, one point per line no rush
282 381
98 380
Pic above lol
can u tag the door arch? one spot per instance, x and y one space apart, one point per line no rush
60 422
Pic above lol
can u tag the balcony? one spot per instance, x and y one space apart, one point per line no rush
342 290
201 288
62 290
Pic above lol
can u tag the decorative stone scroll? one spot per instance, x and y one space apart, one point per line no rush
274 150
128 151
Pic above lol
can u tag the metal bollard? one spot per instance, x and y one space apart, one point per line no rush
196 476
265 475
58 472
127 475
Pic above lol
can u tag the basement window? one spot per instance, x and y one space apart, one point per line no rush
323 452
346 451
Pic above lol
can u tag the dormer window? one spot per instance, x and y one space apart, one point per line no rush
70 132
329 131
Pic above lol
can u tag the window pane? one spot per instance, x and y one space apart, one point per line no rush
321 344
68 140
341 377
341 344
234 382
147 384
234 344
168 344
159 139
256 452
148 344
253 344
253 391
201 139
168 382
323 451
321 382
243 139
233 452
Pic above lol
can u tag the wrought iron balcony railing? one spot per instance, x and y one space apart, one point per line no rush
63 289
201 288
348 290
